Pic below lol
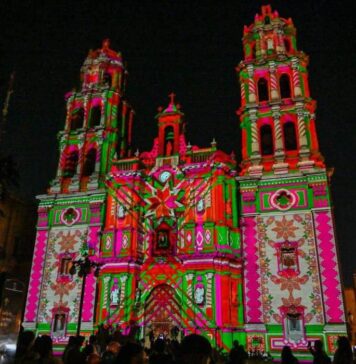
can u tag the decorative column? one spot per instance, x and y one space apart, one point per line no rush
251 85
106 281
279 167
280 43
123 280
255 157
274 83
296 80
303 144
243 93
209 279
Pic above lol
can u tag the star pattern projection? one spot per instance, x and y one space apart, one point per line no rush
163 202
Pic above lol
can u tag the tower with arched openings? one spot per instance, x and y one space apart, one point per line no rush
292 290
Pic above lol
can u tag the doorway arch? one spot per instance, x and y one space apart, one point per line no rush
162 311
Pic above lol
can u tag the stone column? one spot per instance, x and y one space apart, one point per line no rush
255 142
209 278
303 144
255 157
189 285
106 281
296 80
274 82
279 167
251 85
278 139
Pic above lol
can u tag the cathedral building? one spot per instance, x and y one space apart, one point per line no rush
187 242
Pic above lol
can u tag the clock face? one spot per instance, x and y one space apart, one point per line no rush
164 176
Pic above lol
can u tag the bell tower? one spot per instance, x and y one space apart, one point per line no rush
291 274
98 123
170 128
277 112
71 215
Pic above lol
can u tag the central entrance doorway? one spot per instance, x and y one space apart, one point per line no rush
162 313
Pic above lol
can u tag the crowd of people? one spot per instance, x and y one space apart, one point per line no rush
120 349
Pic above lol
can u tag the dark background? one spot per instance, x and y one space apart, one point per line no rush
188 47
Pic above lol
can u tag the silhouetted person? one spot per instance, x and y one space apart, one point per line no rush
44 347
93 358
70 345
92 347
320 357
24 351
159 355
131 353
343 353
237 354
195 349
74 355
287 356
111 352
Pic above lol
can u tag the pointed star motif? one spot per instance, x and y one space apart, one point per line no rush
163 202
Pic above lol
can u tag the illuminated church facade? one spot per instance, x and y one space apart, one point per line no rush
187 241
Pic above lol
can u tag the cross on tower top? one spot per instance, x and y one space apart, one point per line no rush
172 95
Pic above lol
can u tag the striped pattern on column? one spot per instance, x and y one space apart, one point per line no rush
189 284
242 86
252 88
254 136
296 81
123 280
209 277
274 85
105 289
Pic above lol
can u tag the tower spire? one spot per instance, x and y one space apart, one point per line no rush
172 96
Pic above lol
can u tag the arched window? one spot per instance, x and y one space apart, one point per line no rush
107 79
284 86
76 119
262 89
95 116
89 163
267 20
70 166
270 43
290 138
287 45
266 140
168 140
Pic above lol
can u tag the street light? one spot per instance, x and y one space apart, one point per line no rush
84 266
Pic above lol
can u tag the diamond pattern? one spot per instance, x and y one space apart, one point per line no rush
329 269
253 294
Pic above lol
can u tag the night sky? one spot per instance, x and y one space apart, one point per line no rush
188 47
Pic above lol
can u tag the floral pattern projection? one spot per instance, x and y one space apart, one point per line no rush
61 292
285 288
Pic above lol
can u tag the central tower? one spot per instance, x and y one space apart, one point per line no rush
291 277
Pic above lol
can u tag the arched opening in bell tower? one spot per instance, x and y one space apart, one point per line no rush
262 86
290 137
76 119
266 139
70 164
89 163
284 86
168 141
95 116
